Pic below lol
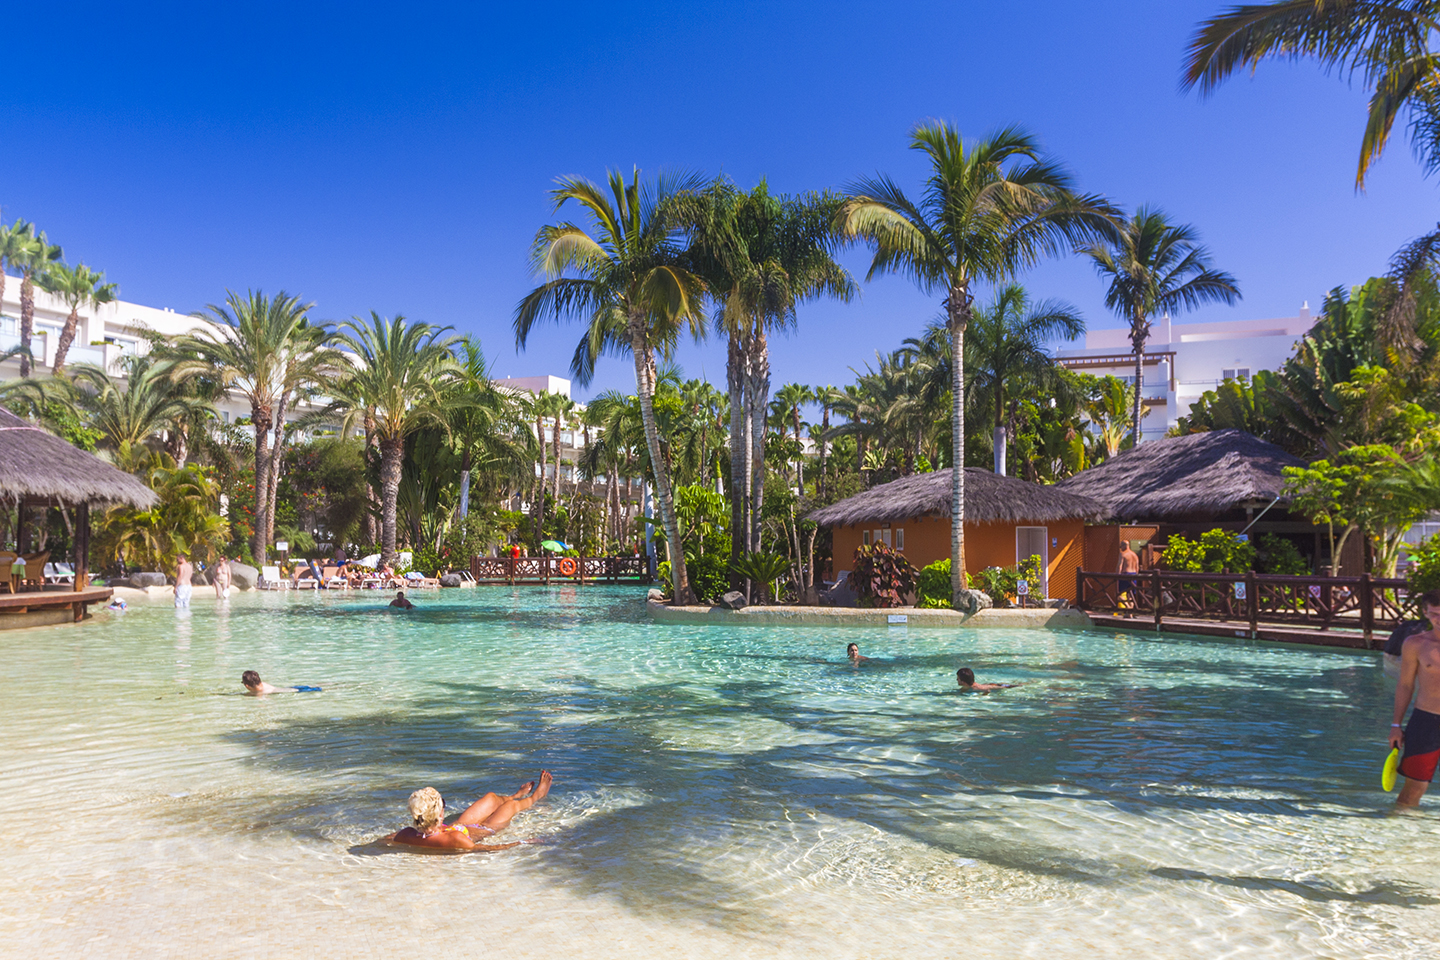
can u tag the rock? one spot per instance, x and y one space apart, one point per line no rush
657 595
200 578
243 575
125 582
734 600
143 581
970 602
450 580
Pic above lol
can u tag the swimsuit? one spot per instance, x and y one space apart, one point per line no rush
1422 746
182 594
306 689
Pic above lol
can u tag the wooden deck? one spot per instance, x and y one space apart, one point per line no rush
1277 633
36 607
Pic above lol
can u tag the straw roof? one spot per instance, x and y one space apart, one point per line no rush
39 465
1200 474
988 498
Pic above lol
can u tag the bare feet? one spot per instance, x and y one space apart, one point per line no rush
544 787
524 790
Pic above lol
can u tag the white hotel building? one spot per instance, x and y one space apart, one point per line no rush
1183 360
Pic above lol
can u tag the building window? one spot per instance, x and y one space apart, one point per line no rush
1236 373
899 538
866 537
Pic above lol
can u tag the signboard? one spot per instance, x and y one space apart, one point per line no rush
1022 588
898 618
283 546
1315 590
1240 590
1242 538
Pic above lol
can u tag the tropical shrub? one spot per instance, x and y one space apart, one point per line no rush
1425 567
1281 556
882 577
184 521
1002 584
1217 551
932 589
709 576
763 569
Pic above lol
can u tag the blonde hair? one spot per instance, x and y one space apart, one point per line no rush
427 808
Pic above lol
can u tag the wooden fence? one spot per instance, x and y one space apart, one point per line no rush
533 570
1363 603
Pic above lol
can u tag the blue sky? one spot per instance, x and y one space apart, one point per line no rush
397 158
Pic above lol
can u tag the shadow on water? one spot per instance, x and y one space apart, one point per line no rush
1389 892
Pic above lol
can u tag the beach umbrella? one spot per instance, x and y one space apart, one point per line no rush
554 546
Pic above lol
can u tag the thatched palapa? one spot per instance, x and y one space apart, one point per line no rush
989 498
1189 477
36 465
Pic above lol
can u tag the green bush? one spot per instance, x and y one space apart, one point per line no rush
1217 551
1425 567
933 587
881 576
764 570
709 576
1001 584
935 603
1281 556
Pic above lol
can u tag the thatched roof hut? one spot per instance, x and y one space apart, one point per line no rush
989 498
38 466
1190 477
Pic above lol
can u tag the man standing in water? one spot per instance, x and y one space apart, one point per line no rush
183 572
1420 739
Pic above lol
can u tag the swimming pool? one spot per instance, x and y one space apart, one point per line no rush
719 792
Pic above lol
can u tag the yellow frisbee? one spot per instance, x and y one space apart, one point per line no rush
1387 773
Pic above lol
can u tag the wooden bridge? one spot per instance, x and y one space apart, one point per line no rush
547 570
1336 611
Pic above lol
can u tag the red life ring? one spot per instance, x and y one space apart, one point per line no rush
567 566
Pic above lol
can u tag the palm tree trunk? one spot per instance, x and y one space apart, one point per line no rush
799 453
757 388
277 460
372 535
999 440
739 462
1137 337
558 418
958 308
824 429
67 337
260 420
645 388
27 321
392 453
860 451
538 507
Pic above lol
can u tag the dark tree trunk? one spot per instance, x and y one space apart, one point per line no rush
67 337
392 454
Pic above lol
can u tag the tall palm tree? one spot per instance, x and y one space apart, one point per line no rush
1388 42
489 426
130 410
1006 350
35 259
628 282
1154 266
763 255
249 345
399 383
560 408
988 211
78 286
825 396
787 403
14 240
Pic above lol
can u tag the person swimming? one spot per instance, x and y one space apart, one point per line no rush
258 688
400 602
483 818
852 653
966 678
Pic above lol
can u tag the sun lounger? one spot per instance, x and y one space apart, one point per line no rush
59 573
333 580
270 579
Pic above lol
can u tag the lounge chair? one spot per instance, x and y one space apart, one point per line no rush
59 573
270 579
333 580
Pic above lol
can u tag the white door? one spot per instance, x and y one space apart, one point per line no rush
1032 542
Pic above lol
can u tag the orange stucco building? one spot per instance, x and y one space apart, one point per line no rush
1012 519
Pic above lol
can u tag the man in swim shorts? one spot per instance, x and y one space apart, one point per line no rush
966 678
183 572
401 602
258 688
1129 563
1420 739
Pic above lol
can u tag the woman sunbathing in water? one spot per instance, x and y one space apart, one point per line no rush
483 818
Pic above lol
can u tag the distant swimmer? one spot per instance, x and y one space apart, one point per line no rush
400 601
966 678
853 653
257 687
1420 738
483 818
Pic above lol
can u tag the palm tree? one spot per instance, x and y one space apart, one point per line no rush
1154 266
78 286
630 286
560 408
35 258
1386 41
399 383
787 403
763 255
489 426
1110 409
250 345
1006 350
130 410
987 212
825 396
14 240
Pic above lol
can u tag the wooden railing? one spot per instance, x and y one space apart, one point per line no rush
1364 603
511 570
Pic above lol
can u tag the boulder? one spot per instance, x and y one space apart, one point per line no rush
200 578
450 580
143 581
125 582
243 575
657 595
734 600
971 602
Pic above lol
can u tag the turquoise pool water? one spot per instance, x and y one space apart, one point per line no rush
719 792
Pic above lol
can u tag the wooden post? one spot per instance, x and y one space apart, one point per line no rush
1252 603
580 568
82 548
1157 602
510 570
1080 586
545 566
1367 607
